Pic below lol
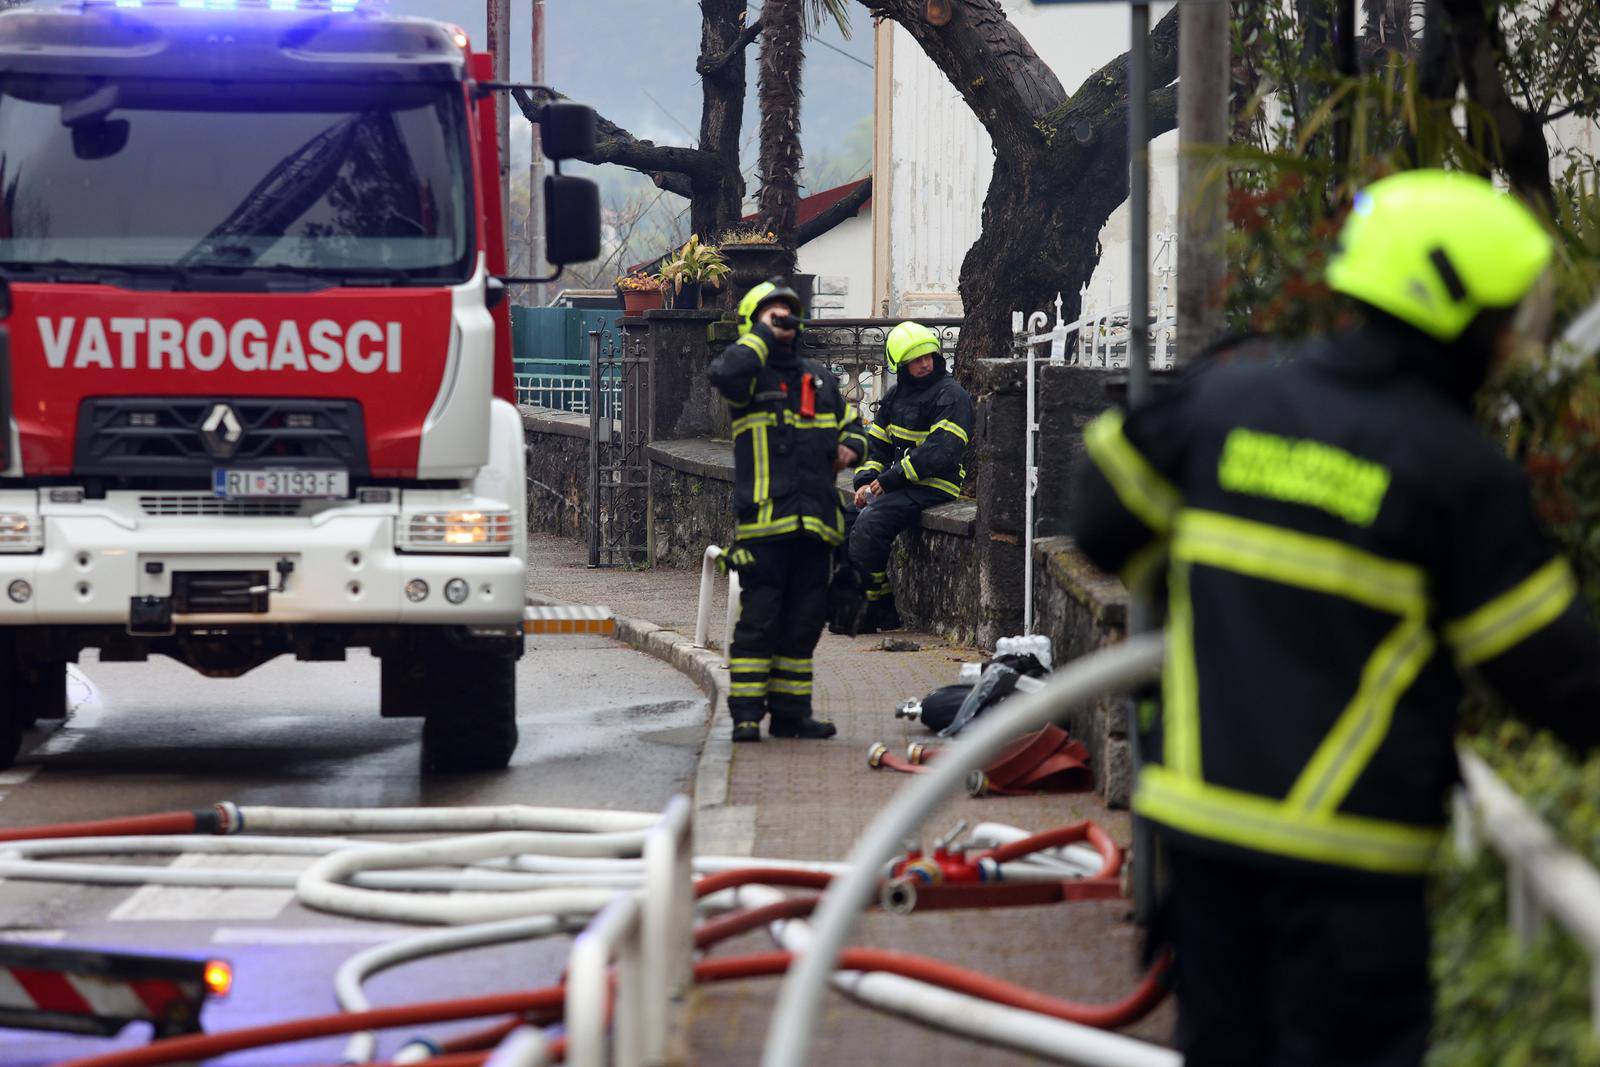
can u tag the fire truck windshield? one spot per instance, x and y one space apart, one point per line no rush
195 179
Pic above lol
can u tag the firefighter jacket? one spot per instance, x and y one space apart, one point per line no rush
789 418
922 431
1342 541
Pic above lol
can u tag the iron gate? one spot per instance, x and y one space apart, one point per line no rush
619 476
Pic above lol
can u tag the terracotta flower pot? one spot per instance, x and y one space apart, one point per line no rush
638 301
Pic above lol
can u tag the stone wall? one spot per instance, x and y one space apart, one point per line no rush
558 472
1082 609
934 570
691 500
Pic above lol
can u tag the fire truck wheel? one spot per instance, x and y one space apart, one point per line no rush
13 717
43 691
399 687
470 702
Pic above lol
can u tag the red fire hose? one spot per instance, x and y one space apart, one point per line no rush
216 820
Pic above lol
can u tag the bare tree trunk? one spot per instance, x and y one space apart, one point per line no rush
1061 162
719 196
782 55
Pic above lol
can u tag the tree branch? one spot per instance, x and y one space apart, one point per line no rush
717 64
1106 90
671 168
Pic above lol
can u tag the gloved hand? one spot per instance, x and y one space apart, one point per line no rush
736 557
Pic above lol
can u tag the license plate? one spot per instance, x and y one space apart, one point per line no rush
281 482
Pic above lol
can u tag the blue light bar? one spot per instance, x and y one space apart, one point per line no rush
339 6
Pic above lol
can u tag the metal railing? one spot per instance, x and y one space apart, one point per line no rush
708 588
647 936
853 350
1544 879
564 385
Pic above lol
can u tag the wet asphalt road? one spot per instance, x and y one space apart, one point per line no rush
601 726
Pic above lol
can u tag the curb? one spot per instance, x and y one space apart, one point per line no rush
708 671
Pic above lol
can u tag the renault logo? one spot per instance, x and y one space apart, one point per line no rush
221 432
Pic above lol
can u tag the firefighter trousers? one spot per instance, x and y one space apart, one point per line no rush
1282 969
783 602
878 524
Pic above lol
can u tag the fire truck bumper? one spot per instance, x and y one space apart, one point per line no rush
111 562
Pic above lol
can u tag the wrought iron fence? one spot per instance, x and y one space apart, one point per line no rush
619 474
563 385
853 350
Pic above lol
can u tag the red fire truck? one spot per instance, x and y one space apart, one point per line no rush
258 396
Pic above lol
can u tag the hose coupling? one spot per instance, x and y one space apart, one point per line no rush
990 871
224 818
918 752
876 753
898 896
909 709
977 784
417 1050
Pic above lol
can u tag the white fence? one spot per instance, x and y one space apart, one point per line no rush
1098 337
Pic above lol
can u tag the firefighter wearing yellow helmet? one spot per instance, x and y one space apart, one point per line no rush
1341 543
914 452
792 432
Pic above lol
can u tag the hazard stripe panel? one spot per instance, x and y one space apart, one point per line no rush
569 619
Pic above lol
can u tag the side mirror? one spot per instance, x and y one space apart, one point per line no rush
571 220
566 130
100 140
494 292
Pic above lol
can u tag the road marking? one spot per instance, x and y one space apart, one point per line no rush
19 775
285 935
84 706
34 937
163 903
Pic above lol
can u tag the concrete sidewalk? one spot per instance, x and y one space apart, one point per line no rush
810 800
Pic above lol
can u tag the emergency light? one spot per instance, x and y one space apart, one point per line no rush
335 6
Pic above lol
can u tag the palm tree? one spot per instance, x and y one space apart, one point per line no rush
783 30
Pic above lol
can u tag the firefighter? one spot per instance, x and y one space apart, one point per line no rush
792 432
1342 543
913 461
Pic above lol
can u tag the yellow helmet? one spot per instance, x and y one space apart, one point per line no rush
761 295
1435 248
906 342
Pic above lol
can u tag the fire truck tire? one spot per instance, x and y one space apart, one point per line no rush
44 691
399 687
14 718
470 710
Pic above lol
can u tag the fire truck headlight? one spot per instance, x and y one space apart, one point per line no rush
20 532
19 591
456 590
416 590
218 978
459 531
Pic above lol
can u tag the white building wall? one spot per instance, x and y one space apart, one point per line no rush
842 261
941 158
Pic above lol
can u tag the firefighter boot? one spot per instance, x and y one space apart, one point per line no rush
881 615
804 727
748 730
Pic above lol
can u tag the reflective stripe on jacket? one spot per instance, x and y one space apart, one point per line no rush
1340 541
919 438
783 456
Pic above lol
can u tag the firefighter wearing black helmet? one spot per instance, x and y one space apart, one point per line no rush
792 432
1342 544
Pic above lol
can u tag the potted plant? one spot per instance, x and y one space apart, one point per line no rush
692 269
753 255
640 293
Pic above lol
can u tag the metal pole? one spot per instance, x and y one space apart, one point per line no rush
536 265
594 447
499 34
1203 59
1140 611
1138 201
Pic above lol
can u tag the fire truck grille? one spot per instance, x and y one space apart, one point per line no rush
188 437
178 505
